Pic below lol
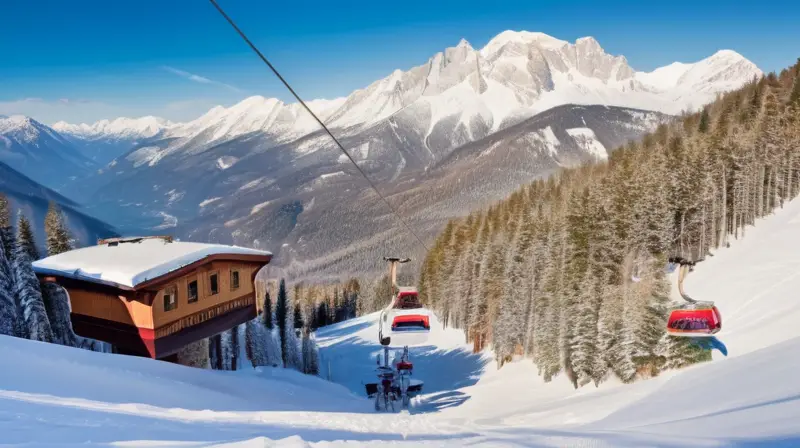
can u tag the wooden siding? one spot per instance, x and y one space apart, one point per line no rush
110 307
205 315
205 300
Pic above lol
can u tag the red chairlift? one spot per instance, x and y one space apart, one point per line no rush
695 319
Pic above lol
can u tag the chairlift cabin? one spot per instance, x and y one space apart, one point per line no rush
694 319
404 321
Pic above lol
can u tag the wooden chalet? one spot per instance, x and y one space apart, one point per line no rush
151 296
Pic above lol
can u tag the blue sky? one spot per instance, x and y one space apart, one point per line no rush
87 60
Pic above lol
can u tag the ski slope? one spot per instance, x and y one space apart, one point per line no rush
58 396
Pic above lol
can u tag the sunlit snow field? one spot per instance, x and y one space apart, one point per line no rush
52 395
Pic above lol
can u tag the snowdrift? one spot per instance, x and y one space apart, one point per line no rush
52 395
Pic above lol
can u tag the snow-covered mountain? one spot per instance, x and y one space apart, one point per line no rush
107 139
408 131
515 76
40 152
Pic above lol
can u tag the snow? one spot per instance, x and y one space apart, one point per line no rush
143 127
53 395
587 140
258 207
226 162
329 175
170 221
253 184
129 264
209 201
149 155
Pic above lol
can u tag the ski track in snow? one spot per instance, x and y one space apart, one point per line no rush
52 395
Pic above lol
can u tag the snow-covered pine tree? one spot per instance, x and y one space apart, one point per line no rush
281 313
310 355
273 348
58 237
29 296
8 305
293 357
227 353
254 341
583 347
56 302
25 238
681 352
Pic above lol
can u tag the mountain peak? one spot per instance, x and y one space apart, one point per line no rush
523 37
588 42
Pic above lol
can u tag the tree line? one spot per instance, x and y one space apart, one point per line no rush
547 273
27 309
277 337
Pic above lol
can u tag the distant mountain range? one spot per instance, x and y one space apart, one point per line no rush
33 199
440 139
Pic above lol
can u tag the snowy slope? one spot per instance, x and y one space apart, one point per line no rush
51 395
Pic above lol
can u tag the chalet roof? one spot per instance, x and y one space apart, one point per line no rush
126 263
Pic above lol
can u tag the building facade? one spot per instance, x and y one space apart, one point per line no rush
152 296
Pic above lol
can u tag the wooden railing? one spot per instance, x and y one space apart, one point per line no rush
202 316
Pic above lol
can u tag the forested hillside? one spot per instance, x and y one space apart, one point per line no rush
546 273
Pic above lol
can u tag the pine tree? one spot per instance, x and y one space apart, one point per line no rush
8 306
255 342
227 353
310 355
292 355
236 348
6 231
215 355
25 238
58 237
56 302
298 315
267 312
794 97
704 121
29 296
281 312
273 348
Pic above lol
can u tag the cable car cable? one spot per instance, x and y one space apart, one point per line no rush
300 100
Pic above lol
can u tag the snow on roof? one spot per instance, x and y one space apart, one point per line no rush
132 261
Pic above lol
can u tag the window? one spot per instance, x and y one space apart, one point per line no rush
170 298
192 288
213 284
234 280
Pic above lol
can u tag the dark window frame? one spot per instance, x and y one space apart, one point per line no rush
196 297
237 284
170 291
211 275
